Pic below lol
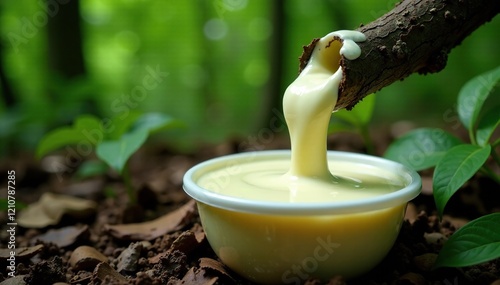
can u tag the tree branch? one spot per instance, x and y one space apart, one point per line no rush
415 37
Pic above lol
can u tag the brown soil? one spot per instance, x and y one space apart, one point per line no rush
182 255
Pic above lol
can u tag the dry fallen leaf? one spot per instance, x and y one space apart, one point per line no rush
64 237
170 222
411 213
86 258
105 271
16 280
215 266
199 233
50 209
197 277
22 253
83 277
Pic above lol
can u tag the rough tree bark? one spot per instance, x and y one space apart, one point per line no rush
5 87
415 37
65 41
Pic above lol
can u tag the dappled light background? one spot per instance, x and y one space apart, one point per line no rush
221 66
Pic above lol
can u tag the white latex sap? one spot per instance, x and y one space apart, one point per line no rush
308 177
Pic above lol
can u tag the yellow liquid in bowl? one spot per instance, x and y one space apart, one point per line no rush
269 180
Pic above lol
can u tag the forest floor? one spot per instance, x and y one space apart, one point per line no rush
91 243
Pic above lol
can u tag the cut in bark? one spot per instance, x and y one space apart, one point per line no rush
415 37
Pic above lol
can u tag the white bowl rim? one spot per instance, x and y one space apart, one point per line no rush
393 199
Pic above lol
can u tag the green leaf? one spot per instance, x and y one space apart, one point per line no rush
120 125
87 129
487 126
473 94
360 115
456 167
116 153
476 242
155 122
421 148
91 168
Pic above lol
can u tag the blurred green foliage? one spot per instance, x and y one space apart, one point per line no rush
113 144
357 120
214 59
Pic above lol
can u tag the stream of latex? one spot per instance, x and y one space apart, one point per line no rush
307 177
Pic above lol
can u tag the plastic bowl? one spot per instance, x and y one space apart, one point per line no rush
286 243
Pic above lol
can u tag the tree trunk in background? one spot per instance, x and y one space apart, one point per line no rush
415 37
208 94
7 93
273 91
65 41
